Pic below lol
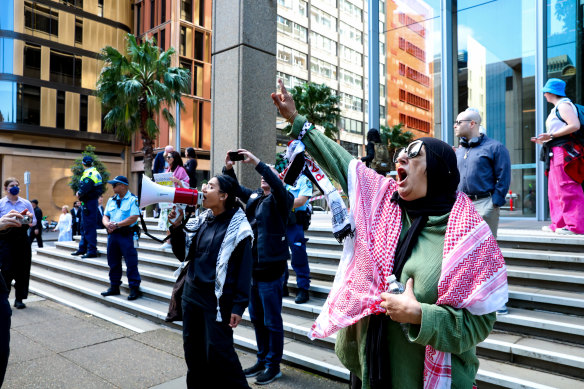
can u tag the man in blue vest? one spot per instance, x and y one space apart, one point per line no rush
121 220
89 191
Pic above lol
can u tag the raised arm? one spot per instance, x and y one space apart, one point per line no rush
331 156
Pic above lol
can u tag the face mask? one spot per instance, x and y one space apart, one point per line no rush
14 190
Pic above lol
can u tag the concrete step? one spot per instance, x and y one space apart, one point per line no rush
573 260
539 240
497 374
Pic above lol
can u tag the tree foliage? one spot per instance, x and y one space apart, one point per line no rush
395 137
77 169
137 87
319 105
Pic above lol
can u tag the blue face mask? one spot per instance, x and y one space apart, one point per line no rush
14 190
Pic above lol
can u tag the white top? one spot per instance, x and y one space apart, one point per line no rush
552 123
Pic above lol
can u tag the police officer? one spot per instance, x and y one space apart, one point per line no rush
121 221
89 191
302 192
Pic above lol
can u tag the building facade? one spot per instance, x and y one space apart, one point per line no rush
444 56
49 111
325 41
184 25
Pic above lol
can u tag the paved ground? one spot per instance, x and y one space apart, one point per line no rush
54 346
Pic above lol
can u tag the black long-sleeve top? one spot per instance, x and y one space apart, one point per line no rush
200 280
268 217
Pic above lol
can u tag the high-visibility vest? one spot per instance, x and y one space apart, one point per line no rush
93 175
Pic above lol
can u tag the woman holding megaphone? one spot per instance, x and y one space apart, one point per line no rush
217 245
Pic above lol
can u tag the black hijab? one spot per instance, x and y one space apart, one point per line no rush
443 177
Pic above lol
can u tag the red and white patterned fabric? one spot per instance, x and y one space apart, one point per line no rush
473 269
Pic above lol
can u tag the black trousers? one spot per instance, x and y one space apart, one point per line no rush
16 260
39 238
209 352
5 318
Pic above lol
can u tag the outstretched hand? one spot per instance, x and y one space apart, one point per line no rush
403 308
285 103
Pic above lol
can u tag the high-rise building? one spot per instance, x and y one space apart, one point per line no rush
184 25
325 41
49 112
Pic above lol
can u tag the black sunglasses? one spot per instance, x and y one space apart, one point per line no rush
413 150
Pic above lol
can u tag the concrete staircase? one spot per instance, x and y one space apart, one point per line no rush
539 344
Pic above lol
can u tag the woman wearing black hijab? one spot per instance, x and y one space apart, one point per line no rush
413 228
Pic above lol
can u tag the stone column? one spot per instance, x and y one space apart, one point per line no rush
244 75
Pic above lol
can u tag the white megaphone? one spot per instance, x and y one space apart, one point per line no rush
153 193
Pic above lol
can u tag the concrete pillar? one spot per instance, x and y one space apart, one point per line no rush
244 75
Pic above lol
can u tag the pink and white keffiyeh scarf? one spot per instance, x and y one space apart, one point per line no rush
473 269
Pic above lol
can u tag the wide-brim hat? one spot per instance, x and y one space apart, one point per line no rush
555 86
119 180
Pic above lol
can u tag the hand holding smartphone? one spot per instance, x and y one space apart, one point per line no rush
235 156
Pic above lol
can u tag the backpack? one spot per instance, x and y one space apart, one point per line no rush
579 134
381 162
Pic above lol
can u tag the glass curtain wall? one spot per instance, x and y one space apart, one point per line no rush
412 64
495 69
565 51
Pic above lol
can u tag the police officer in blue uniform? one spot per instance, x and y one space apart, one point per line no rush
300 215
121 221
91 187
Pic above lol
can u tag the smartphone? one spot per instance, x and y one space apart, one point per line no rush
235 156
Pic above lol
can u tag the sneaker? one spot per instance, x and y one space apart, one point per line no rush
302 296
254 370
166 245
502 311
269 375
546 229
564 231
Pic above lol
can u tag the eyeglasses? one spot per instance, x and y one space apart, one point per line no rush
413 150
459 122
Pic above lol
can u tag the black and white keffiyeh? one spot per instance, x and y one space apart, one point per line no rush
238 230
298 163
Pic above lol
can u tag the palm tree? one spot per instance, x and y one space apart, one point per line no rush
134 87
319 105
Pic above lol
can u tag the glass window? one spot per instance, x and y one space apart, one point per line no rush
163 39
183 41
41 18
28 104
100 8
152 14
350 33
162 11
352 10
186 10
288 80
352 148
323 68
198 79
293 29
6 55
32 61
73 3
284 25
83 107
138 18
200 12
7 15
65 68
498 80
199 45
78 30
60 109
323 19
186 64
7 101
351 56
323 43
